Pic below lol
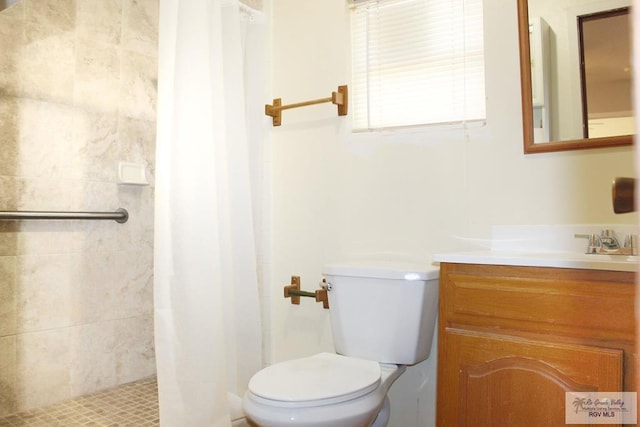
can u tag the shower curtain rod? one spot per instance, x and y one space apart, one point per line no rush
120 215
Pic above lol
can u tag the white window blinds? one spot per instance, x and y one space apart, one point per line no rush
416 62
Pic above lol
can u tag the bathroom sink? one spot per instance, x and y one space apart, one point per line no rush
544 246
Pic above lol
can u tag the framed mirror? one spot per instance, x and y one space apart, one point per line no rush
558 69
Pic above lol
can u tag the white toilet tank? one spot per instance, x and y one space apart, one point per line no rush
383 312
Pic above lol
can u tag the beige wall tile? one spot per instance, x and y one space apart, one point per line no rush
138 81
97 77
76 97
99 21
37 238
101 237
140 26
46 65
45 292
95 295
47 135
57 143
8 238
43 126
39 194
92 360
99 196
8 392
15 11
134 348
139 202
9 135
9 187
42 368
99 151
55 14
8 297
135 284
137 139
12 40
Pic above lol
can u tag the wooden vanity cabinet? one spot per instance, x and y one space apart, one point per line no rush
513 340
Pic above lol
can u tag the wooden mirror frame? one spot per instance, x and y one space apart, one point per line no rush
527 103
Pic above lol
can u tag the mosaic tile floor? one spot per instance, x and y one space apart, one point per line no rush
129 405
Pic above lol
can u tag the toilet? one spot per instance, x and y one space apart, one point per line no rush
383 318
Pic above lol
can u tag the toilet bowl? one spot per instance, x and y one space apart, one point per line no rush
382 318
322 390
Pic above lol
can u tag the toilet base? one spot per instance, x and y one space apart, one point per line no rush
383 416
366 411
357 413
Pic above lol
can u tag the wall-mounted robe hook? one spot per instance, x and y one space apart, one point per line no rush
339 98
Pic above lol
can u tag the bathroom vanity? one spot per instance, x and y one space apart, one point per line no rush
513 338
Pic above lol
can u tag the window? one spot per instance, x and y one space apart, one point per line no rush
416 62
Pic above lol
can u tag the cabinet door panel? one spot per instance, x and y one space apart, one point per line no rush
501 380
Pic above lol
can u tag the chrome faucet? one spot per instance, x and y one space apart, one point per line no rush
607 243
608 240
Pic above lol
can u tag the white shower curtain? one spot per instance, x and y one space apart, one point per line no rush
207 321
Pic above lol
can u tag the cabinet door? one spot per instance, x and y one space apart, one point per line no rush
492 380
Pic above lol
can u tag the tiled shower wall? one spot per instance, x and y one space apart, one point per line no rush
77 95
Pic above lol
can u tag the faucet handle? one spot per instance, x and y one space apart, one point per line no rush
630 242
594 242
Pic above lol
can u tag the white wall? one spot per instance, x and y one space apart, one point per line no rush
340 196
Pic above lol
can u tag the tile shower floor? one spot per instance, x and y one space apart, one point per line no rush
130 405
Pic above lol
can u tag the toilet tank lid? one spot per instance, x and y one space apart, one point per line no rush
384 270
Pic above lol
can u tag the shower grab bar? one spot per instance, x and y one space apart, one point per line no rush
120 215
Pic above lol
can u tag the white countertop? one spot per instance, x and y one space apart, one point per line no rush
557 246
543 259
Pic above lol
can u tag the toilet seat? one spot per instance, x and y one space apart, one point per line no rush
322 379
345 392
